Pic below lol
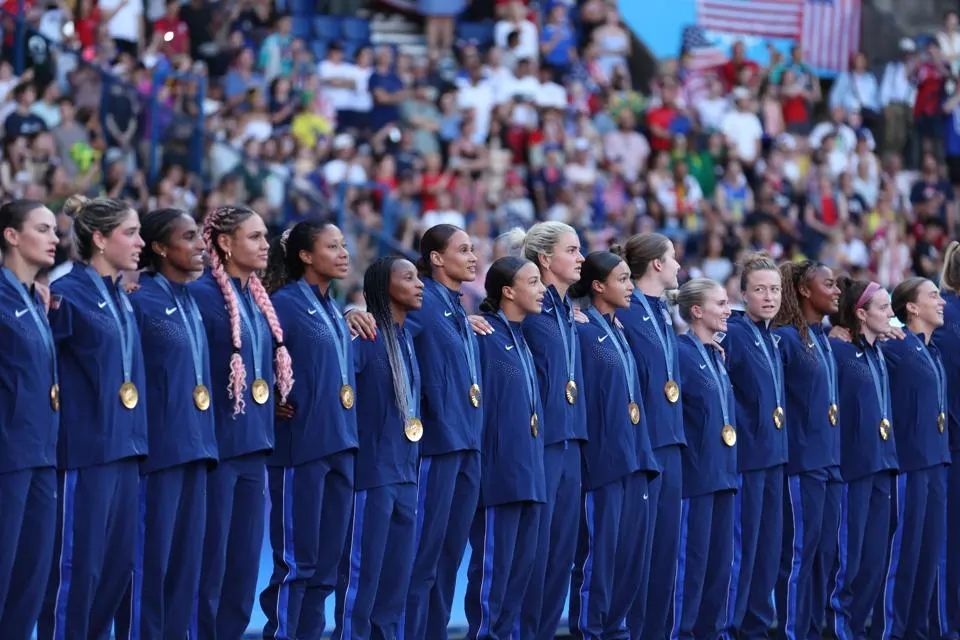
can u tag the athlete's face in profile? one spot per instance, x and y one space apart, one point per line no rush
566 261
762 296
123 246
183 249
715 309
36 241
670 268
328 257
406 288
617 288
875 316
822 291
527 289
247 246
458 260
929 305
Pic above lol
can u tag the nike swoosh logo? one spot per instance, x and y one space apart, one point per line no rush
447 314
757 343
170 312
510 346
645 318
703 366
919 348
860 354
20 313
102 304
548 309
602 338
311 311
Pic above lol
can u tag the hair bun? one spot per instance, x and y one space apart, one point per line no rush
617 249
73 204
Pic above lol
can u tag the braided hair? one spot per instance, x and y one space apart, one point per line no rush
225 221
376 291
794 275
157 226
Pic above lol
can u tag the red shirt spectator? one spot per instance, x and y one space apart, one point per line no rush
173 30
929 78
731 72
660 118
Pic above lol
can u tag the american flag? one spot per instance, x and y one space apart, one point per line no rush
704 57
828 30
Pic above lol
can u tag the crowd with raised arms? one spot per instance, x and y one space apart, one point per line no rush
784 470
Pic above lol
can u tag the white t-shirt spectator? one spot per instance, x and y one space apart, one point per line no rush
478 97
712 111
432 218
529 45
630 148
362 100
125 24
341 98
338 171
743 129
846 138
855 252
552 95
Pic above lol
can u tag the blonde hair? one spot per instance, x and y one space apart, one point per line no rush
692 294
753 263
540 240
950 275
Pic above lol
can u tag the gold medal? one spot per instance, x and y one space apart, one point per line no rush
634 410
672 391
346 396
729 435
55 397
571 392
260 391
129 396
884 429
534 425
832 413
413 429
475 395
201 397
942 421
778 417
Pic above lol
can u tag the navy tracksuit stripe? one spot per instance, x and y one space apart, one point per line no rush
289 555
356 558
136 586
588 509
69 492
840 625
793 587
733 590
895 546
681 567
486 581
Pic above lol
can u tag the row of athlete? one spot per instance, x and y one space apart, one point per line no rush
683 441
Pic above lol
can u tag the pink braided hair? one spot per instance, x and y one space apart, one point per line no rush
281 358
238 371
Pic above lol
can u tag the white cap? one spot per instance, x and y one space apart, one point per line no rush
907 44
343 141
741 93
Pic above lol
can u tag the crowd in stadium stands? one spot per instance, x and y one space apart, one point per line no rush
525 114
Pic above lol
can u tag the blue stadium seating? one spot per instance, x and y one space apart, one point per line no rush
327 28
356 30
479 32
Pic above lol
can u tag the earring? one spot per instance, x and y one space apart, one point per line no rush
228 256
101 250
163 255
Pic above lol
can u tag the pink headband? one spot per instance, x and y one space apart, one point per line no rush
868 293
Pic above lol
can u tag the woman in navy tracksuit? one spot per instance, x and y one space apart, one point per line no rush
618 461
552 338
183 446
311 469
375 571
868 456
947 341
103 424
709 465
503 538
812 496
242 333
918 388
29 418
649 330
756 372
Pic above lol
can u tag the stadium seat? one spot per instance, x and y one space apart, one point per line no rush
319 48
356 30
301 28
479 32
301 8
326 28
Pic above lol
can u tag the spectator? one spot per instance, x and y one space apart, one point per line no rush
612 43
174 31
949 41
738 70
857 90
276 51
742 130
23 122
929 77
124 20
527 43
897 97
388 91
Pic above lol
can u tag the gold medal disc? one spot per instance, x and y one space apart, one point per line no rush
55 397
346 396
672 391
475 395
634 409
571 392
832 414
260 391
884 429
778 417
413 429
534 425
129 396
729 435
941 421
201 397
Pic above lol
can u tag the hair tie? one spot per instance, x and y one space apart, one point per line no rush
868 293
236 350
283 240
279 345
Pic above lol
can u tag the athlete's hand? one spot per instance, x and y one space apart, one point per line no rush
893 333
361 323
841 333
130 287
283 409
480 325
580 316
44 292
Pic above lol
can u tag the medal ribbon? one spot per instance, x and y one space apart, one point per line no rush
463 328
39 319
826 356
194 329
526 362
879 376
410 368
937 366
125 328
623 350
568 336
667 343
716 375
776 367
336 326
256 331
